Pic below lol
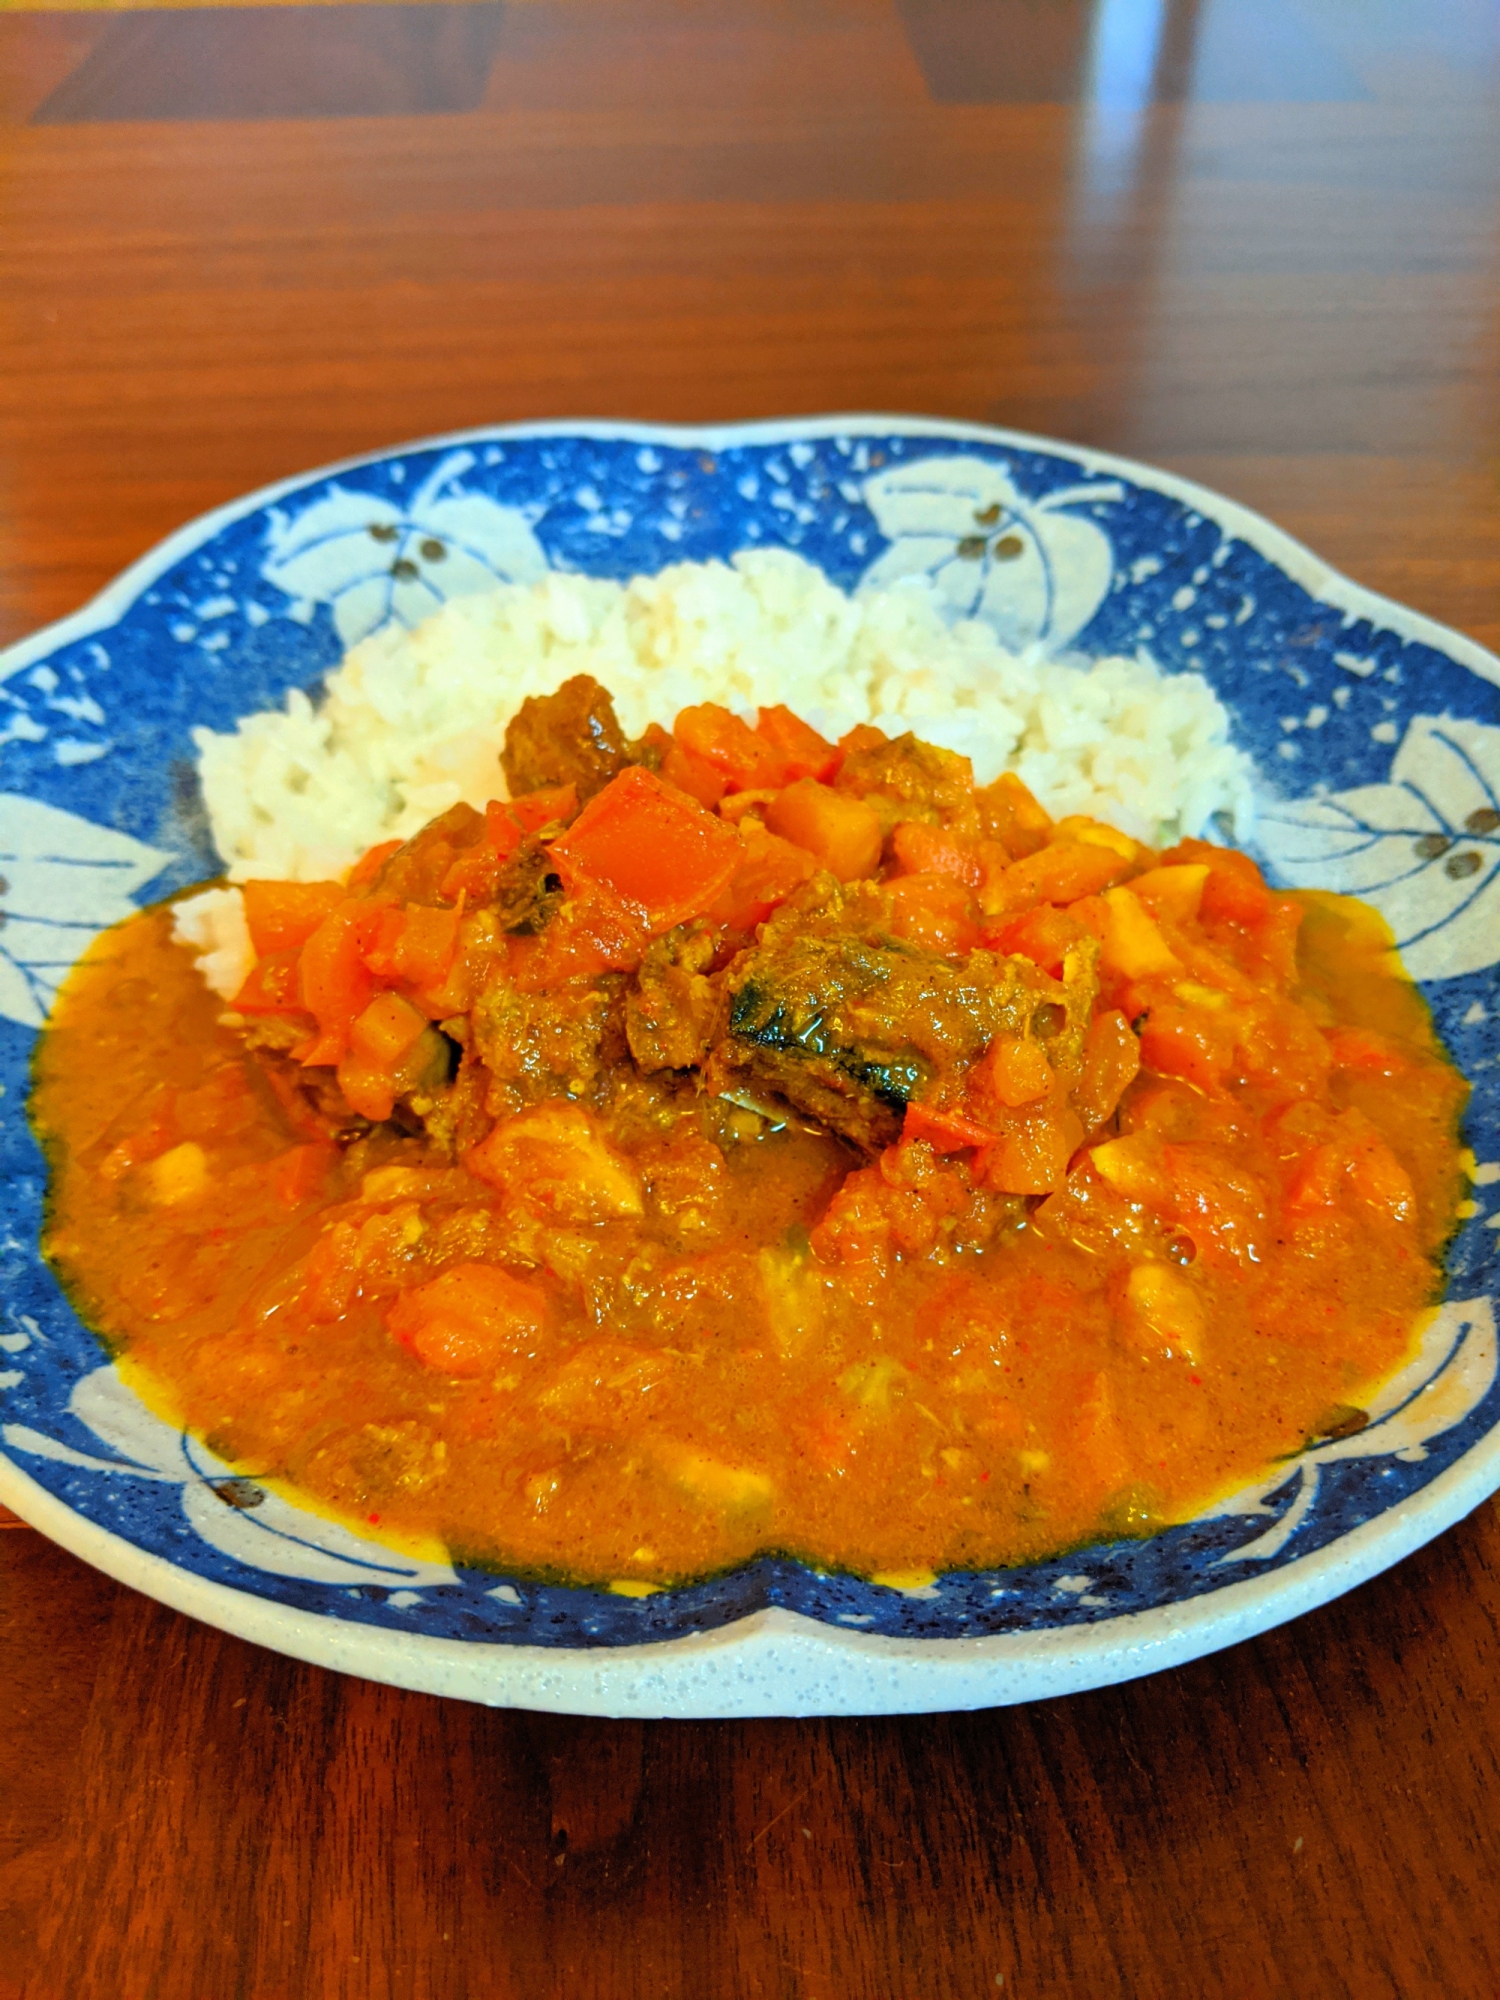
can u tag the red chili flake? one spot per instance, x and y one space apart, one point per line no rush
373 1519
984 1478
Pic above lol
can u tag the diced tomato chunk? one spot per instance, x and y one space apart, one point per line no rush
742 757
932 850
1186 1042
1364 1049
298 1174
1060 873
1234 891
281 916
770 870
415 944
534 810
335 981
271 986
1315 1181
654 848
594 931
371 862
1043 935
1019 1070
475 872
1111 1062
692 775
932 910
1013 815
804 752
1033 1159
469 1320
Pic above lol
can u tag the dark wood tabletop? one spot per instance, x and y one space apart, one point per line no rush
1255 241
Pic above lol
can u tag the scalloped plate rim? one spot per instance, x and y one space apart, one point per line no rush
1300 562
773 1650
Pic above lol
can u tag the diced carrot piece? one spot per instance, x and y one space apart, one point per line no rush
1174 892
1013 816
283 915
336 983
804 752
654 848
386 1030
1060 873
469 1320
1042 934
371 862
932 910
944 1131
731 747
842 833
271 987
932 850
1019 1070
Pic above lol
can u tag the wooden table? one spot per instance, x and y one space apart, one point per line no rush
1259 244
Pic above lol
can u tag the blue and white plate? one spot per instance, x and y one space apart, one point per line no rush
1376 735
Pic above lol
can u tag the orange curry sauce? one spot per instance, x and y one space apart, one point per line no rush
795 1148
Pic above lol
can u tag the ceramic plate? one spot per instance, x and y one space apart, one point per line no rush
1376 736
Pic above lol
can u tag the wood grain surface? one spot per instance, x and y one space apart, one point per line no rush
1259 244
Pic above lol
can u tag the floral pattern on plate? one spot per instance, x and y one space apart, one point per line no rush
1376 736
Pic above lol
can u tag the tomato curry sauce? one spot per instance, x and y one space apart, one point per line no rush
739 1142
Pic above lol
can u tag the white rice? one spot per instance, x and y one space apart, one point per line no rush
413 721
